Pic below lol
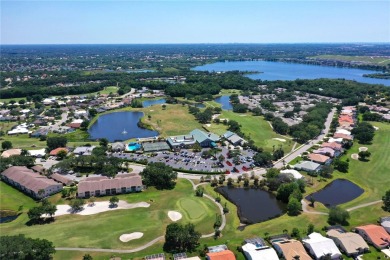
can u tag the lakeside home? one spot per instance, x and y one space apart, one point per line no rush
350 243
375 235
320 246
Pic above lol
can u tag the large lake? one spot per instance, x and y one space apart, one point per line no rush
254 205
112 125
291 71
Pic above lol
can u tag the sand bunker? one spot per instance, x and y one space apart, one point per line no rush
376 128
355 156
174 215
131 236
280 139
363 149
99 207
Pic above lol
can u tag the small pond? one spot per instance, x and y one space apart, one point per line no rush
337 192
8 216
151 102
254 205
119 126
225 102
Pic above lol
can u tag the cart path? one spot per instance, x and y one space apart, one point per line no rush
305 207
364 205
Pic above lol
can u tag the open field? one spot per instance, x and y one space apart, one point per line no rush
255 127
174 120
103 230
382 61
12 199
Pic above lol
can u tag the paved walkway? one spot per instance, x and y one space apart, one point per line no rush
305 207
364 205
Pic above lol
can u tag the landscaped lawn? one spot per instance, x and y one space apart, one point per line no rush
103 230
12 199
255 127
174 120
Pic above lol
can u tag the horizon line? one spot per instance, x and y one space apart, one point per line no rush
200 43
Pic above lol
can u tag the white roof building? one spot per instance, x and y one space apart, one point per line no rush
320 246
294 173
37 153
19 130
252 252
335 140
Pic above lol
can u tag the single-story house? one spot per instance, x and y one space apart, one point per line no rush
290 249
222 255
156 147
57 150
40 132
325 151
319 158
344 136
61 179
118 147
308 166
233 138
37 153
253 252
320 246
343 131
76 123
11 152
334 146
335 140
375 235
294 173
385 223
32 183
84 150
122 183
351 244
18 130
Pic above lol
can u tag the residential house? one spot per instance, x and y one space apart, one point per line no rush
40 132
57 150
334 146
257 249
350 243
375 235
296 175
335 140
343 136
76 123
325 151
222 255
290 249
320 246
308 166
319 158
84 150
39 169
37 153
122 183
11 152
385 223
32 183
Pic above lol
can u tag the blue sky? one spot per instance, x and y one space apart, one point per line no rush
65 22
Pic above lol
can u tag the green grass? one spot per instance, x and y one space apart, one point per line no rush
103 230
174 120
382 61
230 91
256 127
193 209
12 199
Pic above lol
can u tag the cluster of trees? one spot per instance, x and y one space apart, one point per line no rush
35 213
386 201
5 145
16 160
204 116
338 215
350 92
364 132
159 175
291 193
181 238
56 142
312 123
279 126
23 248
263 158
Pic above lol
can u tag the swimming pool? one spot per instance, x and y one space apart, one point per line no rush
133 147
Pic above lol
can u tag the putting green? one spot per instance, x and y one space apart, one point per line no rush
194 210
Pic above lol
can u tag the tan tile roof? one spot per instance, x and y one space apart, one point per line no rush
351 241
11 152
318 157
292 248
60 178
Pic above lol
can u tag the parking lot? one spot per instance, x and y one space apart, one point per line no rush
189 160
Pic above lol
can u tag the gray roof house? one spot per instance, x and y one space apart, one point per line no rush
84 150
308 166
385 223
118 147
